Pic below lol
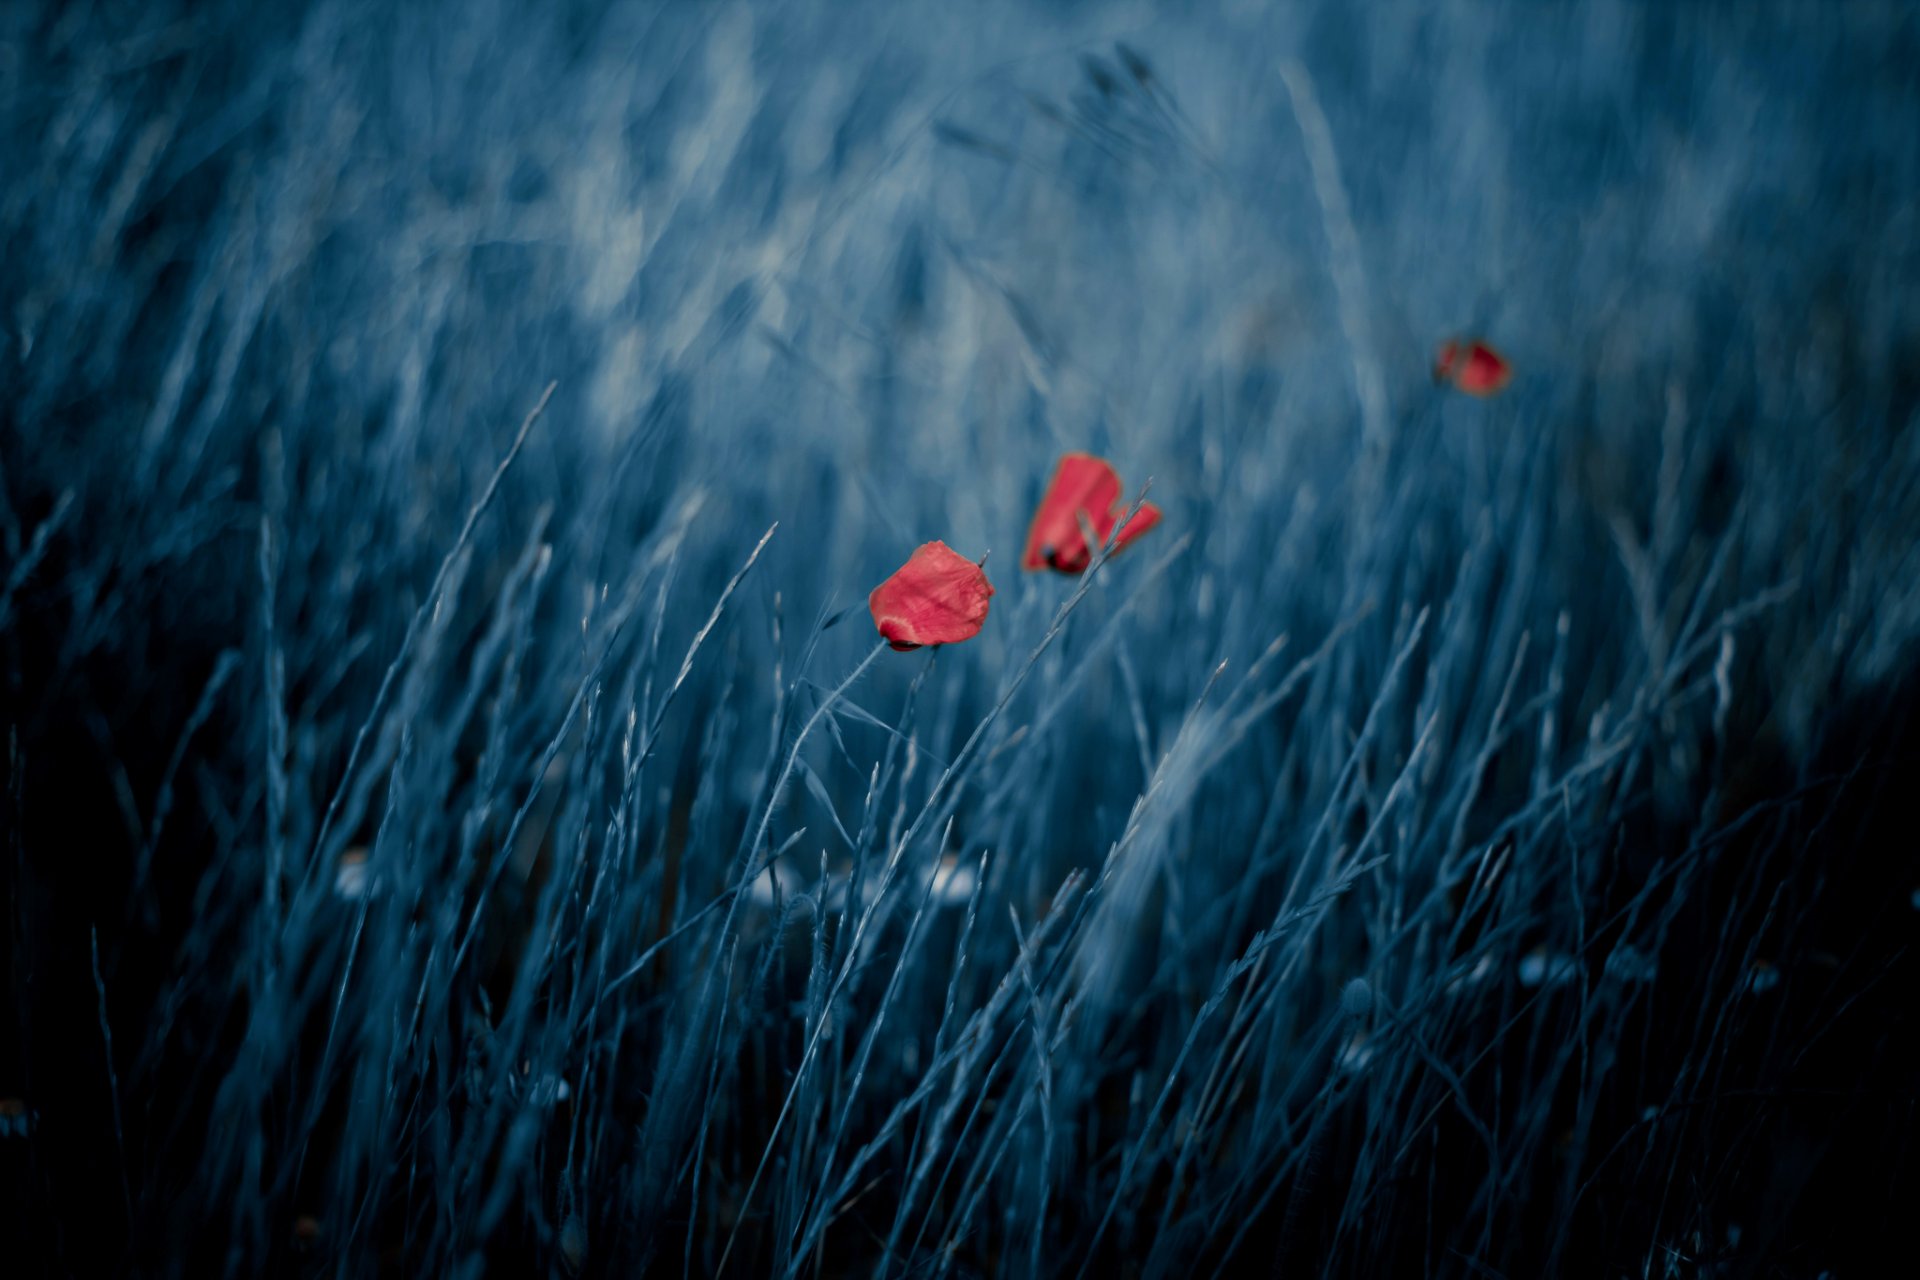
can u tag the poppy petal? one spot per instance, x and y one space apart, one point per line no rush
937 597
1473 366
1144 519
1055 540
1081 484
1485 372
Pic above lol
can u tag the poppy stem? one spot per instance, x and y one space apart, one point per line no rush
113 1083
766 816
428 604
733 892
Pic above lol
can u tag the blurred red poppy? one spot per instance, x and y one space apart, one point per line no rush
1081 482
1471 365
937 597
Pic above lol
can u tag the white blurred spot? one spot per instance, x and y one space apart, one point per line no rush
549 1091
573 1243
352 879
761 890
543 1092
1542 968
1630 964
1483 968
1356 1053
952 883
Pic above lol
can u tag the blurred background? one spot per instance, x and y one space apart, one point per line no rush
429 853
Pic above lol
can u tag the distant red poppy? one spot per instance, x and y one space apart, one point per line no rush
1081 482
16 1119
1471 365
937 597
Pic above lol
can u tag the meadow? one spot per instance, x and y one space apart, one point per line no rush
460 817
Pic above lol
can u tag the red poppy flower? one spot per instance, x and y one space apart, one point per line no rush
1471 365
1082 482
937 597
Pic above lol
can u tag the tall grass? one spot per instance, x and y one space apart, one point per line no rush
462 824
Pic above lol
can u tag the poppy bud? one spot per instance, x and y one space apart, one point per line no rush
1081 483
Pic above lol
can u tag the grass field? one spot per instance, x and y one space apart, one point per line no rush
460 818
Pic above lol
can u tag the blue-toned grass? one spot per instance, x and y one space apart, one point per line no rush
460 819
